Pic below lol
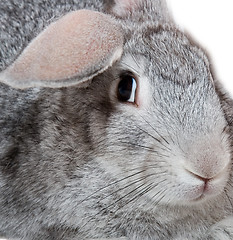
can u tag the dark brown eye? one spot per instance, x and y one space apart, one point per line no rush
127 87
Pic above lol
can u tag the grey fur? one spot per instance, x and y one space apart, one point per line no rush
78 164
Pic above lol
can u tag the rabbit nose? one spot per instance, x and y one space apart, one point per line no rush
204 179
210 168
207 158
207 173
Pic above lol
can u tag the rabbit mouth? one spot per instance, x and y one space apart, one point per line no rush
206 188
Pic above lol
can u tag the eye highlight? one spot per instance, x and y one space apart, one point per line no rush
127 87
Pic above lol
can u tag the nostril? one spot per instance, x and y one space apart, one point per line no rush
204 179
208 174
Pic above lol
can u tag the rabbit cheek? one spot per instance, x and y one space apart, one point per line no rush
195 175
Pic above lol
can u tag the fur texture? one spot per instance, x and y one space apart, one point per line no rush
77 163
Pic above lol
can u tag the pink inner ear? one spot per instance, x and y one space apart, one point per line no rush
73 45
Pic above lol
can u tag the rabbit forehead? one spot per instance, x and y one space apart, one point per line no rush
179 82
171 52
169 55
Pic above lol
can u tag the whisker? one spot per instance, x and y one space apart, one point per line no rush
111 184
121 198
156 132
140 194
162 196
159 192
170 137
159 196
106 208
146 148
149 188
157 140
155 165
143 189
135 181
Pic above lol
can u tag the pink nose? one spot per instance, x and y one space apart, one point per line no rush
207 159
204 179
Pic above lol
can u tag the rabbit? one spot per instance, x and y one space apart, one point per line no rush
112 125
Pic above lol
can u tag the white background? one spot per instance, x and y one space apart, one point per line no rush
210 22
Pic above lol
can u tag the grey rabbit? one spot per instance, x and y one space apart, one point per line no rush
112 125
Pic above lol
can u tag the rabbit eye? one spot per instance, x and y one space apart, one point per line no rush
127 88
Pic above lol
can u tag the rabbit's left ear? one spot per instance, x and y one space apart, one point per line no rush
70 51
141 10
124 8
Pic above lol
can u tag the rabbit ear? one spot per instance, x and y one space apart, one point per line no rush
70 51
141 10
124 8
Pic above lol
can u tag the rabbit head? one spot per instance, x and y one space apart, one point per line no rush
132 122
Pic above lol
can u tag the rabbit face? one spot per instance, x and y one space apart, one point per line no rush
116 129
166 136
